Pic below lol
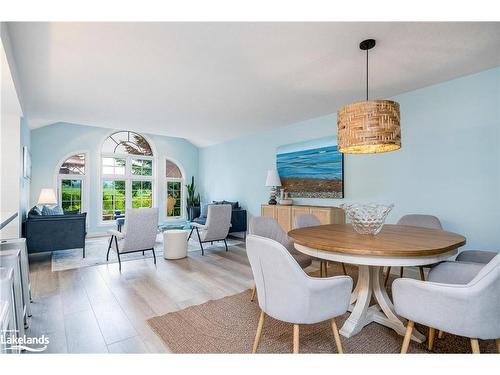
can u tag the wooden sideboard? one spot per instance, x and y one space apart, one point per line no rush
285 215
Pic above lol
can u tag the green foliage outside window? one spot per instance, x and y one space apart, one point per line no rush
174 198
71 194
113 198
142 194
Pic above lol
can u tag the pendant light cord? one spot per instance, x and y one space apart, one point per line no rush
366 75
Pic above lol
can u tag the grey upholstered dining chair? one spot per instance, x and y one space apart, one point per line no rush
217 226
139 233
288 294
309 220
476 256
460 298
268 227
416 220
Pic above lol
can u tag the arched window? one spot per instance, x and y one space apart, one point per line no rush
175 191
127 173
70 183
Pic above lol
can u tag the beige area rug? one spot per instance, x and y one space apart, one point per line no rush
228 325
97 247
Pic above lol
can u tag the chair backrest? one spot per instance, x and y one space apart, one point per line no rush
418 220
269 228
218 221
141 228
281 283
306 220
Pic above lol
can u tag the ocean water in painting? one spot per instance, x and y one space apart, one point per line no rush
311 169
324 163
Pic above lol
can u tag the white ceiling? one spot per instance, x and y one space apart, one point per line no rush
210 82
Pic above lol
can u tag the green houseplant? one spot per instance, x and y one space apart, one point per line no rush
192 201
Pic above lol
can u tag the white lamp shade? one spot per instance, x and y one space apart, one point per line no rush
273 178
47 196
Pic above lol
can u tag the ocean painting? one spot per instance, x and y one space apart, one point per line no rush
312 169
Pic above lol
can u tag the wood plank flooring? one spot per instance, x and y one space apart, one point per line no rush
98 309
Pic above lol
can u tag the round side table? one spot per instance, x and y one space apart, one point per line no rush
175 244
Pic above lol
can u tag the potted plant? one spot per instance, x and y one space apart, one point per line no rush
192 200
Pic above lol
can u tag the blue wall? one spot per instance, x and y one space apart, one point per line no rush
51 144
449 164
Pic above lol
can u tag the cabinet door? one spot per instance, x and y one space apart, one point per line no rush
338 215
268 211
297 210
323 214
284 217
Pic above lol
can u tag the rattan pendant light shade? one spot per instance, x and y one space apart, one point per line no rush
371 126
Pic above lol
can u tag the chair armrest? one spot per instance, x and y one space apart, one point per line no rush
117 234
198 225
330 296
448 307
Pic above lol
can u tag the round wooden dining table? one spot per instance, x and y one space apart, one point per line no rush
394 245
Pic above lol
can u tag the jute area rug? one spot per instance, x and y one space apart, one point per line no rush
228 325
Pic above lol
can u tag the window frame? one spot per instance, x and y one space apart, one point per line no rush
84 178
128 177
182 180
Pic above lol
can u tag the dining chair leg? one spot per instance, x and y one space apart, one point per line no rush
440 334
295 339
254 290
498 345
259 331
326 269
387 275
422 275
337 337
321 269
406 340
474 343
343 269
432 332
401 271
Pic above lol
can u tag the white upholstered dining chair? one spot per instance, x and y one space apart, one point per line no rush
268 227
288 294
460 298
309 220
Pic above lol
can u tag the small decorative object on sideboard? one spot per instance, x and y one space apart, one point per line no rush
273 181
367 218
284 200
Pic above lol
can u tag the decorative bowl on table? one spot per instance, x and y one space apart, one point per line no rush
367 218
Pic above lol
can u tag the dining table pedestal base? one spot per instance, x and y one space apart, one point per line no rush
370 284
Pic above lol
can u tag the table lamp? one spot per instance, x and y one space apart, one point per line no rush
273 181
47 197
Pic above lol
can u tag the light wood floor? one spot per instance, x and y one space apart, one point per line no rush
98 309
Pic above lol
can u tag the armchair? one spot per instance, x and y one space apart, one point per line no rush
459 298
139 234
216 227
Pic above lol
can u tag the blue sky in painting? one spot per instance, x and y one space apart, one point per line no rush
318 158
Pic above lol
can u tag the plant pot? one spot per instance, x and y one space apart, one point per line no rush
193 212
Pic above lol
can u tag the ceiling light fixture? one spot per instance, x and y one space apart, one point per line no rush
371 126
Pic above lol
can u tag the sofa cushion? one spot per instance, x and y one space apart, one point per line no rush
234 205
56 210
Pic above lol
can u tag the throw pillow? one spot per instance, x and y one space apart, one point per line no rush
56 210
